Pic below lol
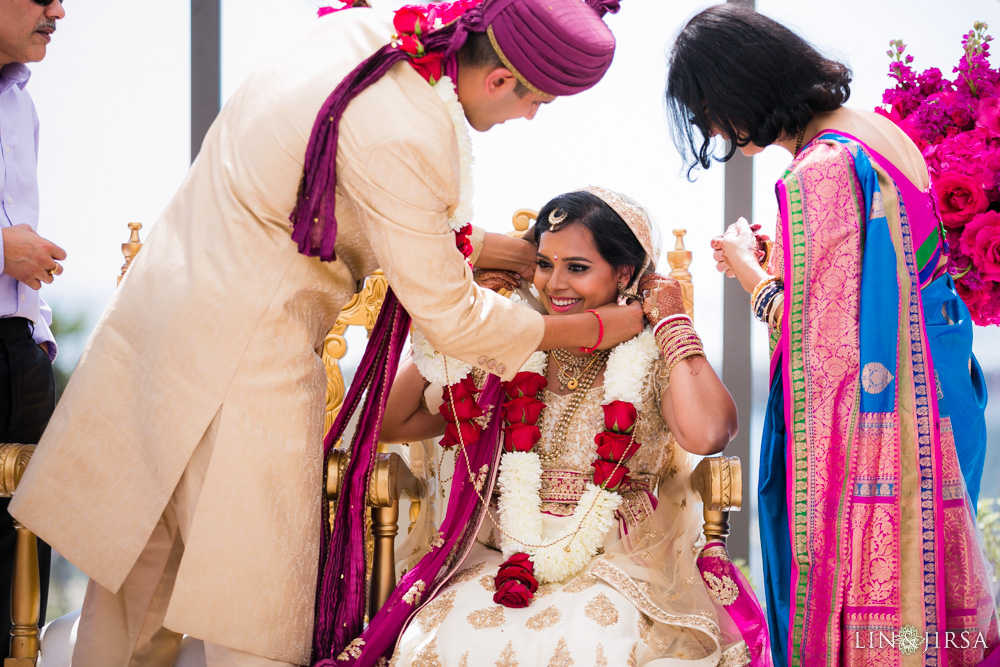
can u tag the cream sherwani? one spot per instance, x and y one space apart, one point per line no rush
214 335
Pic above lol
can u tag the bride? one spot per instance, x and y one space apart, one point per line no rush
588 552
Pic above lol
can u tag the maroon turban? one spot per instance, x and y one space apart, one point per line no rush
555 47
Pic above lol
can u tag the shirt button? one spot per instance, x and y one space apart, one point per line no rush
10 199
491 364
8 150
501 369
482 361
22 297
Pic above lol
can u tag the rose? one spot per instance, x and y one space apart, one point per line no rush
463 389
520 437
615 446
410 20
518 567
619 416
464 408
609 475
513 594
989 115
980 240
959 198
524 409
462 236
524 383
469 431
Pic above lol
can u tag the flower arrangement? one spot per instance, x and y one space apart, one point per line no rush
956 125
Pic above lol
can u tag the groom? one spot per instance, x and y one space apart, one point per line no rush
182 469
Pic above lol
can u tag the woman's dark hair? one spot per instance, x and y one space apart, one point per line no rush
615 241
748 77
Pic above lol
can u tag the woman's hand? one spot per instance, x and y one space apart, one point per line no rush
621 323
662 297
497 279
722 266
738 254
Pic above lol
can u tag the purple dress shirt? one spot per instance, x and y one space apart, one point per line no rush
19 194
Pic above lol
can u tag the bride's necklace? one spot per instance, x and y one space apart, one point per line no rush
571 368
580 386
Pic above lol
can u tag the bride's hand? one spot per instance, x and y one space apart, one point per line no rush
662 297
621 323
497 279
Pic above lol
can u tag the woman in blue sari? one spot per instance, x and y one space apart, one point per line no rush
874 436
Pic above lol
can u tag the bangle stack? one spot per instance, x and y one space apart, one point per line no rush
677 340
766 300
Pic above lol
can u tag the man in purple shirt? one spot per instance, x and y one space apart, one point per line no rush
27 390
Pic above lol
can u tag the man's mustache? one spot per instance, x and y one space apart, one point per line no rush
46 26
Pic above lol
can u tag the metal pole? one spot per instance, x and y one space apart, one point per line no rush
206 74
737 372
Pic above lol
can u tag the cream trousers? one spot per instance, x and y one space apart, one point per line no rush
125 629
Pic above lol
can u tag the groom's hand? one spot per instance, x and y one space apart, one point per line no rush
621 323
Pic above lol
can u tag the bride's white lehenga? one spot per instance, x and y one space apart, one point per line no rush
641 602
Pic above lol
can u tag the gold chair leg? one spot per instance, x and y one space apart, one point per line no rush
24 604
384 530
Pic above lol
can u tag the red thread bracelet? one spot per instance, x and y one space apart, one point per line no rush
600 332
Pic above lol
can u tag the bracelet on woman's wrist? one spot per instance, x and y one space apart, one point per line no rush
677 340
766 298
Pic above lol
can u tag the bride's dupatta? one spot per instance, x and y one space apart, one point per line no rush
454 540
882 537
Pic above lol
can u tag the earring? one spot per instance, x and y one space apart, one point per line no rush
621 290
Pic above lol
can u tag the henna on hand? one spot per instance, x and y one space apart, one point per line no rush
497 279
665 298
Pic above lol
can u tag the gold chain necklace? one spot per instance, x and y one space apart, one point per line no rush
570 368
582 386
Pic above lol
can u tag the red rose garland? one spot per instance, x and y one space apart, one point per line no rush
461 410
615 445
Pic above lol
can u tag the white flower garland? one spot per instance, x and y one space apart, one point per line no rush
462 215
520 479
429 361
629 367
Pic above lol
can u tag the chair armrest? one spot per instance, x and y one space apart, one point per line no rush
719 482
13 460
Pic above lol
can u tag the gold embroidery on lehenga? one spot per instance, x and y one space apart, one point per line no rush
488 583
490 617
468 573
412 596
600 660
544 619
353 649
602 611
645 624
509 657
543 590
464 662
427 656
736 656
431 616
580 584
627 586
724 590
438 540
562 657
633 657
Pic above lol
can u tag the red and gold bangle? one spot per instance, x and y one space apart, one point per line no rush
600 332
677 341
